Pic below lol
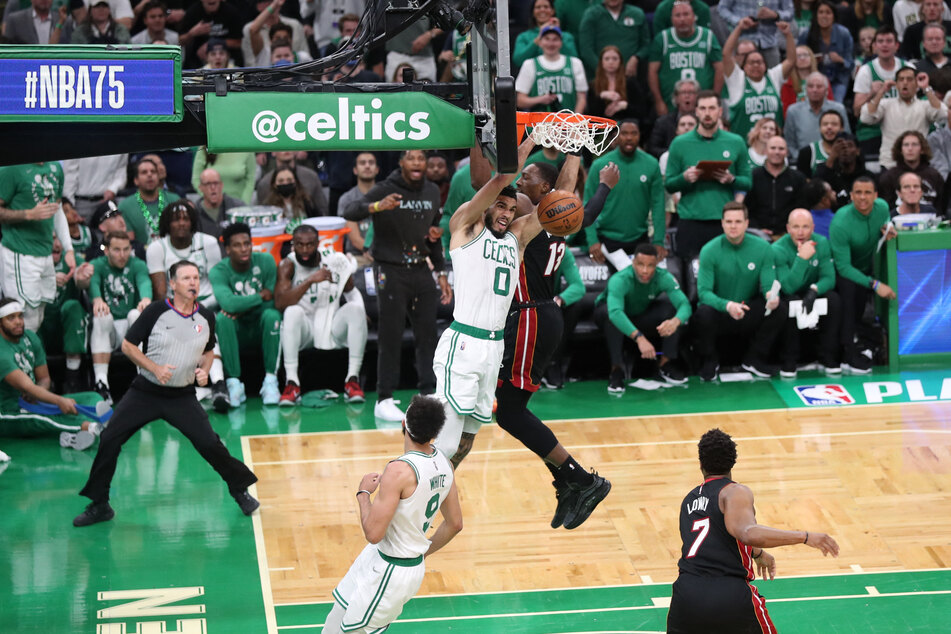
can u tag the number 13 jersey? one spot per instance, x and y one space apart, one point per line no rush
406 535
485 273
708 549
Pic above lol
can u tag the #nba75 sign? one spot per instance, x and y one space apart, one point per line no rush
255 122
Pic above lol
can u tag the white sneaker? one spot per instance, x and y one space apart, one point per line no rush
4 457
270 394
80 441
236 391
387 410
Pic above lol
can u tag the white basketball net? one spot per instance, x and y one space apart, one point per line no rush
567 131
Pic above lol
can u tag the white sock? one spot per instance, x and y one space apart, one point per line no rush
290 369
217 371
101 370
73 363
270 377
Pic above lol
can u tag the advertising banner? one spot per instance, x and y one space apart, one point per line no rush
90 83
259 122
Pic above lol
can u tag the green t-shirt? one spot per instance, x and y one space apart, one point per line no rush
639 191
734 273
680 59
68 290
628 297
795 274
534 157
237 292
26 355
142 217
24 187
704 199
122 289
854 240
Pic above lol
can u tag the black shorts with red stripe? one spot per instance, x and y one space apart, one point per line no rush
717 605
532 334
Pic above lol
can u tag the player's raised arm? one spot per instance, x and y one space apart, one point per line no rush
470 213
375 516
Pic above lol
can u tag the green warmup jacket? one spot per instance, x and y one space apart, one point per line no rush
629 33
796 274
639 191
568 279
731 273
704 199
238 292
627 296
854 239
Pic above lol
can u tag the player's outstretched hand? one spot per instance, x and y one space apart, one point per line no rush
823 542
766 565
370 482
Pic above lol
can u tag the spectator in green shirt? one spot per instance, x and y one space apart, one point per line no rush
737 296
645 305
614 22
854 235
804 267
143 209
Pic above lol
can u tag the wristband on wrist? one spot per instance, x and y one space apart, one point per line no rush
362 491
875 285
270 9
58 25
375 206
637 333
755 556
806 540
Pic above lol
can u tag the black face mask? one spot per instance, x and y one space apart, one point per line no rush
286 190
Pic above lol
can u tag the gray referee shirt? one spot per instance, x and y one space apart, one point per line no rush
169 337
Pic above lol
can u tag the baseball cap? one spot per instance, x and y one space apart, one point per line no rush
98 2
215 43
550 29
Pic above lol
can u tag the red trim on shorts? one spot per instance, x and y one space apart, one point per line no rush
524 354
759 609
521 291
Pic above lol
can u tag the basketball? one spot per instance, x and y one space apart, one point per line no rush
560 213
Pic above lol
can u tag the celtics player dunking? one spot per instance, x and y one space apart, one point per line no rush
533 331
486 247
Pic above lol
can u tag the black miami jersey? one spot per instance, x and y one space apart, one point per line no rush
536 277
708 549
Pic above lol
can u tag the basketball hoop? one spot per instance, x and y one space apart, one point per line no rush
568 131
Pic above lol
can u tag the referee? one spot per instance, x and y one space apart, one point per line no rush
177 338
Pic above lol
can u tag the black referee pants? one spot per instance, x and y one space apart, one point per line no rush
139 408
405 292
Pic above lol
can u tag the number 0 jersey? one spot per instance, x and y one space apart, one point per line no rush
406 535
708 549
486 273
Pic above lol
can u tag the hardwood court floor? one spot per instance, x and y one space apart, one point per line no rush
877 478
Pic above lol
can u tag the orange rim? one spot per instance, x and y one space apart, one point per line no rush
528 119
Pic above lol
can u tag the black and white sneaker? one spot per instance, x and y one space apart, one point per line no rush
220 400
103 390
708 371
857 363
788 371
586 499
760 369
554 378
671 373
832 370
616 381
565 497
247 503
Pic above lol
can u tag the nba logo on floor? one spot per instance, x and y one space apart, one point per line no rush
829 394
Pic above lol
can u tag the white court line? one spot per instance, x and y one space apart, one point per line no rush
638 608
872 590
856 568
269 616
614 587
660 443
634 417
646 580
282 569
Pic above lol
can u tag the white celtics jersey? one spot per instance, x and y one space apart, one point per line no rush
322 300
406 535
203 252
486 274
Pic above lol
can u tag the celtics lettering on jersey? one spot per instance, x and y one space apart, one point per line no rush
560 81
486 273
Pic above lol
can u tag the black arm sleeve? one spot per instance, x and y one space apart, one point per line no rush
141 328
593 207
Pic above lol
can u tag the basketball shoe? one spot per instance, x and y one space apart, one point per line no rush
586 499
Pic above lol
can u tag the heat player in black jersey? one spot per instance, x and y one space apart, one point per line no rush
721 543
532 333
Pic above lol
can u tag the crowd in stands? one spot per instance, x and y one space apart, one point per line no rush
762 148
